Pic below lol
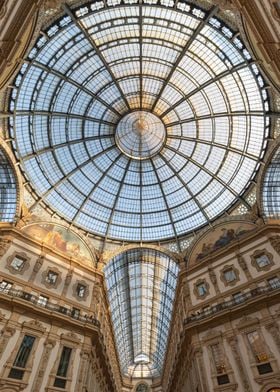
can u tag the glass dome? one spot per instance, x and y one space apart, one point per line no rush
139 121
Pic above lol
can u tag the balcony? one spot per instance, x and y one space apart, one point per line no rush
36 301
242 299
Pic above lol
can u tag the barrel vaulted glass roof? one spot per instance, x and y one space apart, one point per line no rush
8 190
139 121
141 287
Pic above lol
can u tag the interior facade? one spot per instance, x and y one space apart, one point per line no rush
139 195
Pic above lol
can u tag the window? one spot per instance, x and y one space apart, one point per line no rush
264 368
238 297
42 301
81 290
257 346
17 263
20 362
223 379
262 261
5 286
51 277
142 388
218 358
274 282
201 289
230 275
75 313
60 379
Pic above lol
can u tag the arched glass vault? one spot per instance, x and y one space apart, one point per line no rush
141 287
8 189
139 121
271 188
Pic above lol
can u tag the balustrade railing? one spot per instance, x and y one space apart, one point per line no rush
199 315
37 301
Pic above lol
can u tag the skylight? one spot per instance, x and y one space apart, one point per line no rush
139 122
141 288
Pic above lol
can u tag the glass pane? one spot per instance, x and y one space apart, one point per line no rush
24 351
64 362
141 287
142 138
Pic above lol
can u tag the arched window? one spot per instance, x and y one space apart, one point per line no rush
271 188
142 388
8 190
274 390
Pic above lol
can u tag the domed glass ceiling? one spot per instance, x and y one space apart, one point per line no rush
139 121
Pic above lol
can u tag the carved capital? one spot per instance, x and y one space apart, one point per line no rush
275 243
226 5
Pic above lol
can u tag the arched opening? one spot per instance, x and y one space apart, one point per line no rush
141 286
142 388
274 390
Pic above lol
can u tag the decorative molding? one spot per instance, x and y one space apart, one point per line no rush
213 279
37 267
244 267
226 268
48 284
49 344
5 243
258 253
34 326
275 243
6 334
26 263
83 368
247 322
75 287
273 329
233 342
71 338
196 292
226 5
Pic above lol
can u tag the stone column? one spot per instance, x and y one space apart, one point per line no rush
5 243
243 265
84 366
233 342
198 355
273 329
48 346
36 268
67 281
213 279
6 334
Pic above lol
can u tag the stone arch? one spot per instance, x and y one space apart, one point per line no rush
108 256
271 387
